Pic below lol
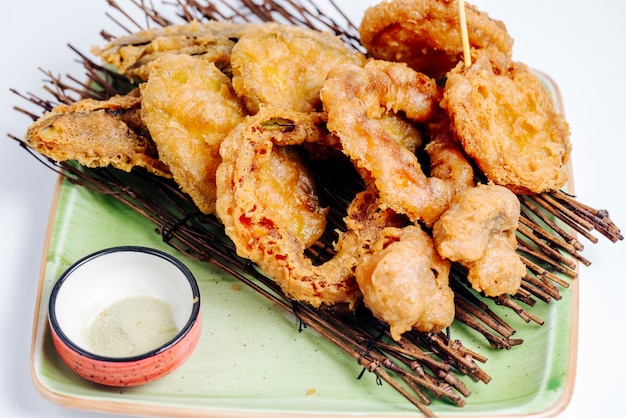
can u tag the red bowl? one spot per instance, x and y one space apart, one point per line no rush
125 316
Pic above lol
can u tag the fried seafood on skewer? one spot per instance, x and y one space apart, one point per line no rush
189 107
404 282
285 66
212 41
507 122
355 99
478 231
426 35
505 119
97 134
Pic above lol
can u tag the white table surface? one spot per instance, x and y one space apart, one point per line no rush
581 45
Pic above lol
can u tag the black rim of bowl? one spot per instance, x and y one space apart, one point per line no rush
125 248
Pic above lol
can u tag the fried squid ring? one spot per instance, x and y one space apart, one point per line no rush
426 34
508 123
356 99
285 66
267 238
478 231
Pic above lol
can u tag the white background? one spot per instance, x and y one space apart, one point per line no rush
581 45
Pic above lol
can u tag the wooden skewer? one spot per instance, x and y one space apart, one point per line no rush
464 35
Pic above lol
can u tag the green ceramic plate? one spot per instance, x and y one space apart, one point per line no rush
252 360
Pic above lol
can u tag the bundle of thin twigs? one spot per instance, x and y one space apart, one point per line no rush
420 366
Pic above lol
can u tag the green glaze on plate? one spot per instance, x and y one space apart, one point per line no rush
252 360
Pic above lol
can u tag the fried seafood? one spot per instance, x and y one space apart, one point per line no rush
404 282
478 231
189 107
262 230
265 236
499 271
507 122
285 66
357 100
426 34
447 159
97 134
212 41
228 110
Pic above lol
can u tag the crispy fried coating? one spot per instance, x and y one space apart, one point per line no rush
265 236
212 41
97 134
262 230
478 231
499 270
508 123
426 34
447 159
288 193
404 282
402 131
189 107
355 99
285 66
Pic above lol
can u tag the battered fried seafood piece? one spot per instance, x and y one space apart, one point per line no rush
357 101
478 231
285 66
404 282
189 107
263 231
507 122
212 41
447 160
426 34
97 134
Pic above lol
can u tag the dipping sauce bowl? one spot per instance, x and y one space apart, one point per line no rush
125 316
